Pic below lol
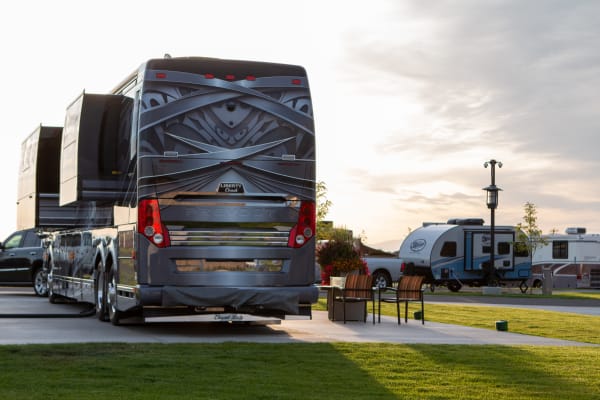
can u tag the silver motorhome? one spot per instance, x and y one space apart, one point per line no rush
458 252
573 258
208 169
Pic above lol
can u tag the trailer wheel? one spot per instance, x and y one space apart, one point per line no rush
454 286
381 279
101 291
111 300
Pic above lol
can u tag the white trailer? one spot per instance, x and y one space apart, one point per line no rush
573 257
456 253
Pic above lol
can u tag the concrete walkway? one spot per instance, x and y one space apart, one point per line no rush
320 329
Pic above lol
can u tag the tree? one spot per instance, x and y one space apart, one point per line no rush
529 232
324 228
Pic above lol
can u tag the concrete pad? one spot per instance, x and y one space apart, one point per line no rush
320 329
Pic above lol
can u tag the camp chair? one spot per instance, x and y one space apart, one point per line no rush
358 288
409 289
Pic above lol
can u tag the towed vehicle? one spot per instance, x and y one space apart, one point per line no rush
22 261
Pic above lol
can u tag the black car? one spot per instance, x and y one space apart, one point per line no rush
21 261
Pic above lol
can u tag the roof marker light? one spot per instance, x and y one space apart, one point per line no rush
250 78
296 82
209 76
161 75
230 77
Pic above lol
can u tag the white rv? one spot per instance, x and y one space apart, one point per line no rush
574 258
456 253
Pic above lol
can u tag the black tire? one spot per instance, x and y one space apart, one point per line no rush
382 279
111 299
537 283
432 287
40 282
101 290
454 286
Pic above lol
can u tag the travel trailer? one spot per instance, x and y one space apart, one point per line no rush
457 253
573 257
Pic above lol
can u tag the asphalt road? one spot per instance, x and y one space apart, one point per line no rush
23 330
556 303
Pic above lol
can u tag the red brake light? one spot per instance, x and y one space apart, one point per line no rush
161 75
402 267
305 227
296 81
150 225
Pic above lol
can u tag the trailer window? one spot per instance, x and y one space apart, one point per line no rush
448 249
503 248
560 249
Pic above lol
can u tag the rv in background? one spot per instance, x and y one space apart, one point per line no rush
457 253
574 258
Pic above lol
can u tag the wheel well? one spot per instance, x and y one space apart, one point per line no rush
385 273
381 271
37 264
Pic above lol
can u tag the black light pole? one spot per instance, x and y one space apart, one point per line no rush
492 203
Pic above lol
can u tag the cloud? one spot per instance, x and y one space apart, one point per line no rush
525 71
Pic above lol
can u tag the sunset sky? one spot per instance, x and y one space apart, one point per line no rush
410 97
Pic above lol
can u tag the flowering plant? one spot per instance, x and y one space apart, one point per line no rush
339 259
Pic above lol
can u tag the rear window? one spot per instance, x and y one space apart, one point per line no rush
32 240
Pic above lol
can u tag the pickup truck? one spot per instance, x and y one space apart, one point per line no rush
21 261
385 270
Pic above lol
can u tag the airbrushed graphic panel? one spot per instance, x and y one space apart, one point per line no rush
197 133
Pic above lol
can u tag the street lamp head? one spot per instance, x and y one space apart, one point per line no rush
492 196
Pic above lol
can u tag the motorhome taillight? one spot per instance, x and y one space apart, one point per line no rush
305 227
150 225
402 267
161 75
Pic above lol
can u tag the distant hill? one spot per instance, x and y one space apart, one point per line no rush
391 246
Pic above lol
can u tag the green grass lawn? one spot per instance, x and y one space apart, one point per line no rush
297 371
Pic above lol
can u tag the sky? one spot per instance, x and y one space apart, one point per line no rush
410 97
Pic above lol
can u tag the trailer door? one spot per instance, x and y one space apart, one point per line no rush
480 250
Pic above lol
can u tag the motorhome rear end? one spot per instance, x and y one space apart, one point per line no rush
208 167
457 253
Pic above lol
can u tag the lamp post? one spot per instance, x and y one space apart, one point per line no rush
492 204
